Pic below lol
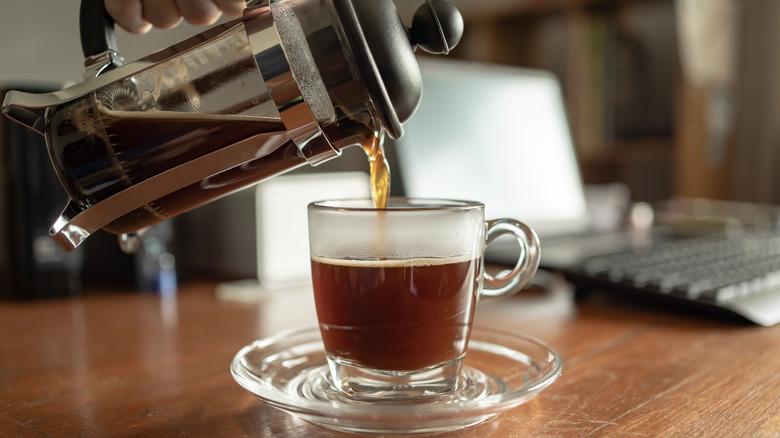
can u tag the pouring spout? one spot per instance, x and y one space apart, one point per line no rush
22 114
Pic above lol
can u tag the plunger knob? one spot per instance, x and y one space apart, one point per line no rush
437 27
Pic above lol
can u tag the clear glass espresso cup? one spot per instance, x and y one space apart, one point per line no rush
396 289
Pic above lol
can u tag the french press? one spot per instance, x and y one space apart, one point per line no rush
291 82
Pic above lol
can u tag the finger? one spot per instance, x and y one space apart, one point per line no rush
199 12
161 13
234 8
128 14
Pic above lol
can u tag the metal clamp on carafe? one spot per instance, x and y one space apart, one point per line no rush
291 82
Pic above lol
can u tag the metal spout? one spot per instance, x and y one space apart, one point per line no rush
20 113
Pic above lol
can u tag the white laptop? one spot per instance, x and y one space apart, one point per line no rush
499 135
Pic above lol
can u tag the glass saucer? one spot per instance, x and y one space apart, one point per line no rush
501 370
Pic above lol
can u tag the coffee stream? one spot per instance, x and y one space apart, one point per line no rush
379 174
379 169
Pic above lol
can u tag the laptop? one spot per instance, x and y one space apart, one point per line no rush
499 135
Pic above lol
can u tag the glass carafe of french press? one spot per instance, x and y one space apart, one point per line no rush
291 82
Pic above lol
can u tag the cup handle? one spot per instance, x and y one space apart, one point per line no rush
508 282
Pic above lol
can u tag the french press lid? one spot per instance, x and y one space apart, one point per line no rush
384 50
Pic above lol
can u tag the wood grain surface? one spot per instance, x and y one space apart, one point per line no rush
121 364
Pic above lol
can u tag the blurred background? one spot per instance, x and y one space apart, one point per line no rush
669 97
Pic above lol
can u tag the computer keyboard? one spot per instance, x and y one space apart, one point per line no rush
737 274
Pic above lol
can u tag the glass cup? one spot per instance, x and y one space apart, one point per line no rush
396 288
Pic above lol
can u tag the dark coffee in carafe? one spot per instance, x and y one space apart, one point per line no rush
99 151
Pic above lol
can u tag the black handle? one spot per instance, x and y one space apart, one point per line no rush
97 28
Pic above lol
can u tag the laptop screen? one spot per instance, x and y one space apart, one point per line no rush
498 135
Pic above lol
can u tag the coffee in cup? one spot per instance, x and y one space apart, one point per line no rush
396 289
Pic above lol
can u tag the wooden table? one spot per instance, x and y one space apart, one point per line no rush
132 364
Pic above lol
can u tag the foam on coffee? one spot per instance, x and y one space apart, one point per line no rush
82 112
405 263
158 116
377 244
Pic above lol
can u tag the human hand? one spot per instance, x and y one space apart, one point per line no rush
139 16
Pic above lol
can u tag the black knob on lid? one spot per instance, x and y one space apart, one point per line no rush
437 27
384 51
